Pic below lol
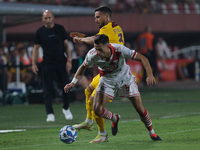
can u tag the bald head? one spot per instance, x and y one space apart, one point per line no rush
47 18
47 12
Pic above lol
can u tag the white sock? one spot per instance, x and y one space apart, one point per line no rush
89 121
151 132
104 133
114 118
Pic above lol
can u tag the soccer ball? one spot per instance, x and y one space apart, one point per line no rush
68 134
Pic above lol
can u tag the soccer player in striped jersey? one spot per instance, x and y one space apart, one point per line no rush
116 76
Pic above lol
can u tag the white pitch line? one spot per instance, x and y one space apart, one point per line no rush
17 130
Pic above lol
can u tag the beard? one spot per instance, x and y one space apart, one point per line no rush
101 25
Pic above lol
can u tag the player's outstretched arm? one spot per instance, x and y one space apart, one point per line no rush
79 73
78 34
145 62
88 40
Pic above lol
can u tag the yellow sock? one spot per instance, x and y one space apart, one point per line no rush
89 104
99 121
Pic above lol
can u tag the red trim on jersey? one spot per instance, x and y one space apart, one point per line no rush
116 55
133 57
85 63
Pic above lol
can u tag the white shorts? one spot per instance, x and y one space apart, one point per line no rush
124 88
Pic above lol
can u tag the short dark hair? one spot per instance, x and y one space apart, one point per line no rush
102 38
104 9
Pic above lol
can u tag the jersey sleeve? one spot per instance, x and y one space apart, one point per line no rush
90 58
128 53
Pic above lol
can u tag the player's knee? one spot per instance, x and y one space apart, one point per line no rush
98 109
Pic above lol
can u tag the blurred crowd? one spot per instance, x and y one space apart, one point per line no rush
133 6
10 51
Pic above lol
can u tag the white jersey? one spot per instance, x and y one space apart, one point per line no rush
115 68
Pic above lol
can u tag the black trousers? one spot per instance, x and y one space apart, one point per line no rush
49 72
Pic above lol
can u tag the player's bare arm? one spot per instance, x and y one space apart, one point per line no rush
68 53
79 73
145 62
88 40
35 58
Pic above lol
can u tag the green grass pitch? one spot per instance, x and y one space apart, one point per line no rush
175 115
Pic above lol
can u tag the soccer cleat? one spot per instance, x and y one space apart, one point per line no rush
67 113
50 118
83 125
115 125
155 137
100 138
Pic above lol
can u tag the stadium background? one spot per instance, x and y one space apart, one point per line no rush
177 21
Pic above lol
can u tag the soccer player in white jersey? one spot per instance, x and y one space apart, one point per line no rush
116 76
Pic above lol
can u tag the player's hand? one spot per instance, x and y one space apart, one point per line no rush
68 86
77 39
150 81
73 34
35 69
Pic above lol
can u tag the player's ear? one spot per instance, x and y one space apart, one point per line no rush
107 16
108 45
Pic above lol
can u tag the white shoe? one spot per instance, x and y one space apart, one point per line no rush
67 113
50 118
